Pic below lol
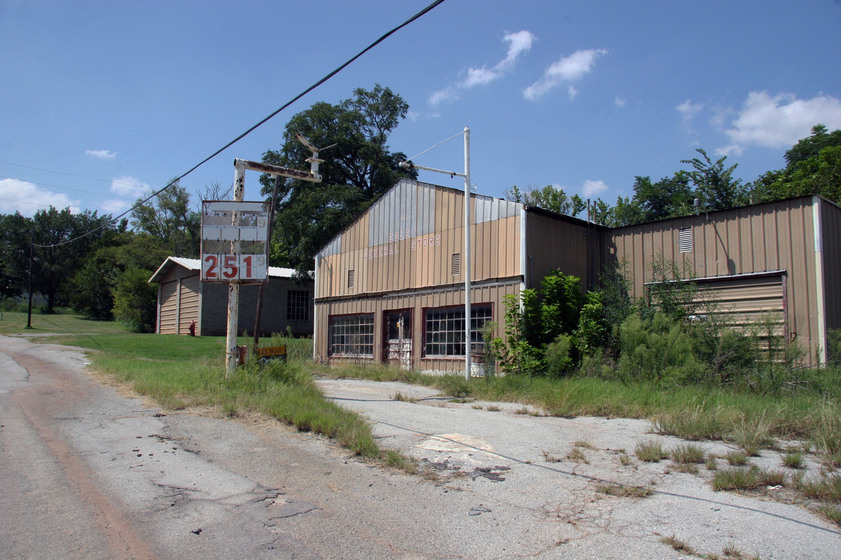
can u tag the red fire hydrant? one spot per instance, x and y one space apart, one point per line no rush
193 328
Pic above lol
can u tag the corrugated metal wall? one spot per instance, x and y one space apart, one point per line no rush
190 287
830 215
168 310
554 243
777 236
407 240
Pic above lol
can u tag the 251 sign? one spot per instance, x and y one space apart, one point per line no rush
233 268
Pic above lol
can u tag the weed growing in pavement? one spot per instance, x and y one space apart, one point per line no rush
650 452
577 456
623 491
678 545
751 434
398 396
751 478
832 513
826 488
625 459
793 460
736 458
493 408
688 453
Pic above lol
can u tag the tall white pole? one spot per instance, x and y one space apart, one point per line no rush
468 347
232 351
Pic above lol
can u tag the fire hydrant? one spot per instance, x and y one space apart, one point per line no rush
193 328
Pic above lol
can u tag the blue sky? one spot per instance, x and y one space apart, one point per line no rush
101 101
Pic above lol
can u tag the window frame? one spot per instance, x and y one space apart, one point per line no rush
346 325
453 333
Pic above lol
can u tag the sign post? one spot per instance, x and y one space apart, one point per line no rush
235 243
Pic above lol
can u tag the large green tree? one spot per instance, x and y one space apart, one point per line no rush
549 197
169 217
62 242
356 171
15 232
814 167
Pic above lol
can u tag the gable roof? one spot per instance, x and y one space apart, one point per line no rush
195 264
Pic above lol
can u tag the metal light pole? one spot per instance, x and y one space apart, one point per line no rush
468 347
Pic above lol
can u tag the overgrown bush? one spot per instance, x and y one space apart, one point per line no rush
558 356
657 350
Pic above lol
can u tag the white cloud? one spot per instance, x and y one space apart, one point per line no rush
27 198
115 207
572 92
619 102
592 188
780 121
101 154
518 43
129 187
568 69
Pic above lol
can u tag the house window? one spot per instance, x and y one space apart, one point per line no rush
444 330
684 240
297 305
350 279
352 335
455 264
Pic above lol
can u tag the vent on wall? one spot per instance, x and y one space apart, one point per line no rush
350 274
684 240
455 264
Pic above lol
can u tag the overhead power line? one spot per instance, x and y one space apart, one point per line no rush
382 38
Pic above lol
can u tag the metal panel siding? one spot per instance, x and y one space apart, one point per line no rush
554 243
768 237
169 307
189 304
385 259
831 246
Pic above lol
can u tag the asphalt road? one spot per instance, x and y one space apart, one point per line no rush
88 473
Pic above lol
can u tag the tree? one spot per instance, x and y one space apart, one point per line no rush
714 184
94 284
356 171
55 260
168 217
134 300
15 231
811 146
814 167
549 197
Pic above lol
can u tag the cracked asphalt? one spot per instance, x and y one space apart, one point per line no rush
88 473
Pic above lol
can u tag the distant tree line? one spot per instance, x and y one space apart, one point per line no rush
813 166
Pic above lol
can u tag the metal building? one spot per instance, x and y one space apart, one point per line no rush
183 298
389 288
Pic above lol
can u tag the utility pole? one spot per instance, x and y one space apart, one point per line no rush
468 346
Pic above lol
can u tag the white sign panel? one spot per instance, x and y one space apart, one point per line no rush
234 246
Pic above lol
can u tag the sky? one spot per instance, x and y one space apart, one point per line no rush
102 101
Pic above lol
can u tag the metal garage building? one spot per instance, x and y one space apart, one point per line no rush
183 298
389 288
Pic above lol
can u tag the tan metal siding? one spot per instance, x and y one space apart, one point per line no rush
763 238
407 241
189 311
554 243
169 308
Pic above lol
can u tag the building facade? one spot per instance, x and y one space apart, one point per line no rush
389 289
184 299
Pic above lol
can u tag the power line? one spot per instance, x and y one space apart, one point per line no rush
385 36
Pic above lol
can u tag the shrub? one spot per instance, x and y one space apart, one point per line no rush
558 358
657 350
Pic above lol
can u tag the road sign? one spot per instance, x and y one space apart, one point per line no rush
234 245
